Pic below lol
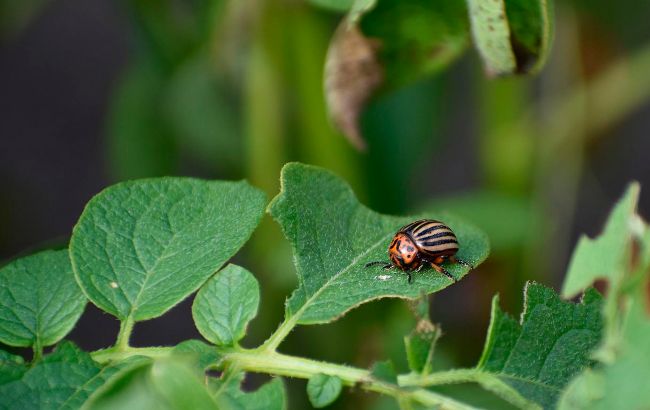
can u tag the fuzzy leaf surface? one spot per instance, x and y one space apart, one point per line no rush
62 380
140 247
623 383
512 36
225 304
333 236
40 301
539 355
322 390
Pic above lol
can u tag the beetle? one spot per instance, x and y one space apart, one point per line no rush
425 241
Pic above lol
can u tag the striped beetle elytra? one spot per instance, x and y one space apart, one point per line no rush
420 243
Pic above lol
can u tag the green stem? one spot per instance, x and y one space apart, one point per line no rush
272 343
265 361
488 381
270 362
116 354
38 351
126 327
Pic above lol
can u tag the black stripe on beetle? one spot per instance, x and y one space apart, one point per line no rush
436 235
420 243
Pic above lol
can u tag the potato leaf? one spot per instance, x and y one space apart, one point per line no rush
12 367
225 304
512 36
385 45
140 247
40 301
62 380
333 236
539 355
322 390
164 384
229 395
623 383
608 256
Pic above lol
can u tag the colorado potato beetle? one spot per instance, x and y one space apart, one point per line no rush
419 243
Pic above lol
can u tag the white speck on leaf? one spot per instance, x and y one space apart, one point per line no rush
384 277
114 285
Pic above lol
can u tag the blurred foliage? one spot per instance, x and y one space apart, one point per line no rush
234 89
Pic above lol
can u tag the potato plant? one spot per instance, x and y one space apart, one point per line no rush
141 247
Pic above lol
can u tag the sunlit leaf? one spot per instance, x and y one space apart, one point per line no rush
225 304
322 390
333 236
538 355
140 247
608 256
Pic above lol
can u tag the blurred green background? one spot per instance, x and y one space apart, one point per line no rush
97 91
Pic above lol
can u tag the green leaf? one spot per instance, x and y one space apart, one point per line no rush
512 36
382 46
225 304
384 371
40 299
416 37
12 367
140 247
609 255
623 383
62 380
420 345
322 390
271 396
539 355
333 236
163 384
486 209
229 396
204 354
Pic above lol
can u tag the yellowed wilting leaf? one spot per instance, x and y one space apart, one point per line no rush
352 74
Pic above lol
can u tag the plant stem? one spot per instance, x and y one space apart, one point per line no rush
38 351
126 327
272 343
115 354
265 361
488 381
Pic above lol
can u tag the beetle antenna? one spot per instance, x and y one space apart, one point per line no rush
369 264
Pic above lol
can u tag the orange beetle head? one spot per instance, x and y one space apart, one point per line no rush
403 253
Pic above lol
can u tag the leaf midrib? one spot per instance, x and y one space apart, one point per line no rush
149 272
296 316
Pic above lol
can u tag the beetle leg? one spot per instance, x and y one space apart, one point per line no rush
410 277
443 271
369 264
462 262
